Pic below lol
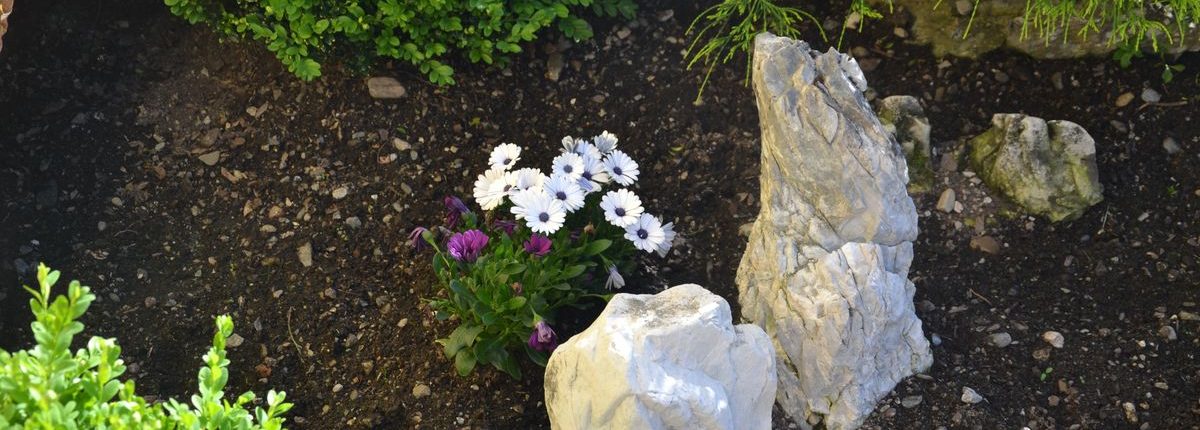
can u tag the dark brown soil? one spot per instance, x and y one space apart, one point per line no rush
105 112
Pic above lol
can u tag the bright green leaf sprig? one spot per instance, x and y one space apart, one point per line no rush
304 34
47 387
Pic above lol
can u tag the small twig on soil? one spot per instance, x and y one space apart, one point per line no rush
299 352
981 297
1163 104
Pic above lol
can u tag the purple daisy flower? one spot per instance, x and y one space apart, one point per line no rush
455 209
538 245
543 338
467 245
507 226
416 238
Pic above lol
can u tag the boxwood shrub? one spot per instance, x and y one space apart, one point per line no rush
305 34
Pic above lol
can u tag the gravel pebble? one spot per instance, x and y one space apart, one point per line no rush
421 390
1151 96
1124 99
1001 339
1054 338
970 396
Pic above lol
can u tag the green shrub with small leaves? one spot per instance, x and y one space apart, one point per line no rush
303 34
48 387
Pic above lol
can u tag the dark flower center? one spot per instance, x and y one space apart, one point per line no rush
567 168
619 211
561 195
617 170
587 175
544 217
642 233
507 187
507 160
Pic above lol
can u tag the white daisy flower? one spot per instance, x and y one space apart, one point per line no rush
544 214
580 147
668 239
524 179
646 233
522 199
566 190
621 168
614 279
621 207
568 164
504 156
594 175
490 189
606 142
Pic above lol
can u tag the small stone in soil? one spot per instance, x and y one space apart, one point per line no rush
970 396
421 390
1124 99
946 201
353 222
382 87
1171 146
304 252
910 401
340 193
210 158
986 244
1001 339
1168 333
1151 96
235 340
1054 338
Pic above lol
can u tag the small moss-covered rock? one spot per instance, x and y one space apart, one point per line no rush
1047 168
904 118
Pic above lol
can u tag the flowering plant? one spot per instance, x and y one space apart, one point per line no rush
544 243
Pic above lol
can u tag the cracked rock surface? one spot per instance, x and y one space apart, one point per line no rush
825 272
672 360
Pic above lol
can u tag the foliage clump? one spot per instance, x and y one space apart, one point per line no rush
303 34
49 387
545 242
1131 23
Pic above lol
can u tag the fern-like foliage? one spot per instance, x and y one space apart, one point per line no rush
728 28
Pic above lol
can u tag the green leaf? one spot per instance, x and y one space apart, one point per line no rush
462 337
515 303
597 247
573 271
575 28
513 269
464 362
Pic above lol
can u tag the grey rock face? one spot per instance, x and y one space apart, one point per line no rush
904 118
672 360
825 272
1048 168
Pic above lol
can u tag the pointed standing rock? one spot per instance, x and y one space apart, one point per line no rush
825 272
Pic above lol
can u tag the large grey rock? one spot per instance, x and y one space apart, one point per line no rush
1001 24
1048 168
904 119
672 360
825 272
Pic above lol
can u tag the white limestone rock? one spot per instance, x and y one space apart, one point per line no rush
825 272
672 360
